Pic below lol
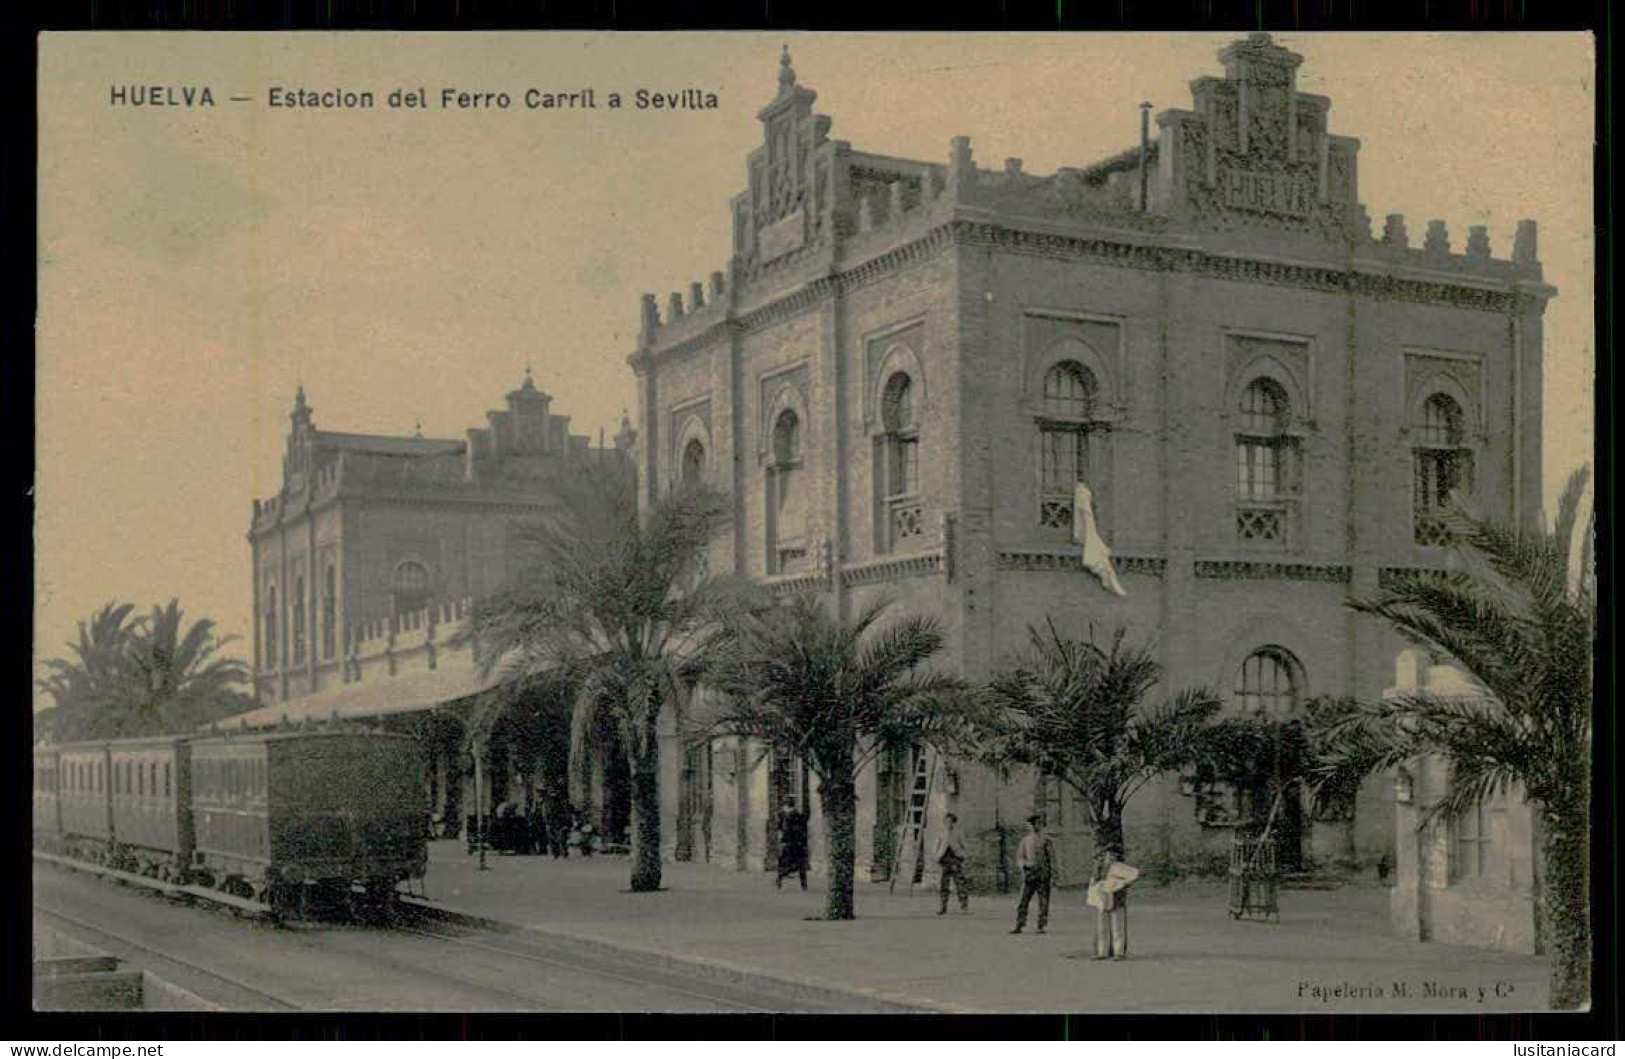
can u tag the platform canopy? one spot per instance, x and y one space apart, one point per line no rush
414 692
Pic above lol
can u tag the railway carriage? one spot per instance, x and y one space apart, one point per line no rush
47 797
86 812
276 813
151 806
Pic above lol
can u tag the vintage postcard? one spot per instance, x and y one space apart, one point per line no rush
730 522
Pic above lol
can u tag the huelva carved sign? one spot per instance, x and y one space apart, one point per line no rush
1268 192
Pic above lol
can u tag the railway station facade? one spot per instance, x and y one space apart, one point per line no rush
366 564
906 366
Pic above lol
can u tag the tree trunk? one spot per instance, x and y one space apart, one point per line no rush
839 797
645 770
1109 830
1568 914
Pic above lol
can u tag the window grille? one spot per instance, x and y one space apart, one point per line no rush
1266 468
1441 465
1070 395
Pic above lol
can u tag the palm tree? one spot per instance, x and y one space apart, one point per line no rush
1520 619
1073 710
87 684
141 676
835 693
610 603
177 679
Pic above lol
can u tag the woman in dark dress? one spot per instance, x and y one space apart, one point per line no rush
792 846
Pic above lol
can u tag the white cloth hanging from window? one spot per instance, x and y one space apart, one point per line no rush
1097 558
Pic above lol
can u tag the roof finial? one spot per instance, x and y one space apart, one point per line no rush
529 383
787 73
417 428
301 409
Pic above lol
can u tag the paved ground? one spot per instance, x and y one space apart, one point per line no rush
1332 951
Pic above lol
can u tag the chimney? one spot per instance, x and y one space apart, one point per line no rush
1145 155
1524 244
649 320
961 166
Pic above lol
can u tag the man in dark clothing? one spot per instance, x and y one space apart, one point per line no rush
792 846
950 858
1036 858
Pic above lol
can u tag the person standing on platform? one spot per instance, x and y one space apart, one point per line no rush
950 856
1036 859
792 846
1108 894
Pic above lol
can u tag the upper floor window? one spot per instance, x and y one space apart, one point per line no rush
787 501
1064 434
330 611
693 465
271 615
1267 466
410 586
1441 464
1268 682
298 636
898 478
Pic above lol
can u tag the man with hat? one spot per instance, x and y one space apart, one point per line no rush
950 858
1036 858
1108 895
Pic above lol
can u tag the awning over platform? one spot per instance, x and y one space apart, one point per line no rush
415 692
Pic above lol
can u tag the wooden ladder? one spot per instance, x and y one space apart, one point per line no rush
911 832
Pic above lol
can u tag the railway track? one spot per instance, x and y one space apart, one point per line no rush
151 958
485 949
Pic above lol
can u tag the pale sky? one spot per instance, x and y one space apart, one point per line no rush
196 264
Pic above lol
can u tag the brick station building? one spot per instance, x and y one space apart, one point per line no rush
905 366
365 566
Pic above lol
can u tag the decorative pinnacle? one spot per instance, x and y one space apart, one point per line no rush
787 73
417 428
529 383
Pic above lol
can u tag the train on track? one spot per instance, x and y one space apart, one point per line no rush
287 819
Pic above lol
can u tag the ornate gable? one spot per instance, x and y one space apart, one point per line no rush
1256 151
784 208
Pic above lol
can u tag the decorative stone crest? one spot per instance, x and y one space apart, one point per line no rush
1257 151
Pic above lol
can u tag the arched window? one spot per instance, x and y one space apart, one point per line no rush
1070 390
1441 464
1266 467
298 603
787 439
898 467
410 586
787 502
271 615
693 465
330 611
1269 683
1068 419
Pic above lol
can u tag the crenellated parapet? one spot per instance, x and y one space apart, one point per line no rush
1438 258
412 641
